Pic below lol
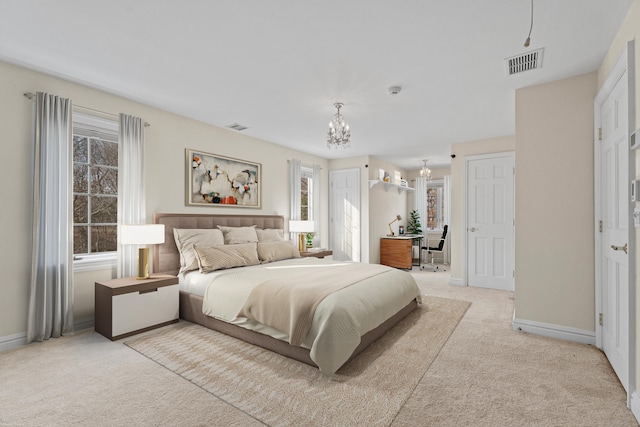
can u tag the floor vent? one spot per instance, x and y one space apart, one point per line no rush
524 62
236 126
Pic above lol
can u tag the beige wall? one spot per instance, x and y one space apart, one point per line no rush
462 150
554 203
384 206
166 141
629 30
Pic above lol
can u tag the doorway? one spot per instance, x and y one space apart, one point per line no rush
615 242
344 214
489 221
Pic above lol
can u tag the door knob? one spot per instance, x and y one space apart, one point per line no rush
620 248
472 229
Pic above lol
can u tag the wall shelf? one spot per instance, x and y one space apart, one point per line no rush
388 186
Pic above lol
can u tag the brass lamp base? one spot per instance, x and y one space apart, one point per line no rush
143 264
302 244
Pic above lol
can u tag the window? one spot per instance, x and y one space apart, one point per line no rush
436 205
95 187
306 194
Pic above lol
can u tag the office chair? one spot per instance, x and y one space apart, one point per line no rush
435 246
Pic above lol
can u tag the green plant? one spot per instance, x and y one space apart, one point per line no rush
413 225
309 239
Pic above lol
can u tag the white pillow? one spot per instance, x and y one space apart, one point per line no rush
270 234
237 235
187 238
228 256
276 251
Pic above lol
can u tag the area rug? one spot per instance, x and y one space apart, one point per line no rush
278 391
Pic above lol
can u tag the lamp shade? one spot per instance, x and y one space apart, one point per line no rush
141 234
301 226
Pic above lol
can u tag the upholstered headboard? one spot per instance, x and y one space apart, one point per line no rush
166 258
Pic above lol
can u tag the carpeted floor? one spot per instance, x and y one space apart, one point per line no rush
369 390
485 375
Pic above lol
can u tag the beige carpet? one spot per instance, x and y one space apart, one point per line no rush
369 390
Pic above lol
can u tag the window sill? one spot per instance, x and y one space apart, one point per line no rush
94 262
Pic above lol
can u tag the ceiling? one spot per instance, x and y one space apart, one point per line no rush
278 66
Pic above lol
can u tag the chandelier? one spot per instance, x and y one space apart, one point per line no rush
425 171
339 132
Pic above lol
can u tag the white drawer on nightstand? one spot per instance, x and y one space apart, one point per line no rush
138 310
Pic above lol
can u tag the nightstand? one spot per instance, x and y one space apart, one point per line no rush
317 254
129 306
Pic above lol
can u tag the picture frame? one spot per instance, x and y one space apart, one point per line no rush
220 181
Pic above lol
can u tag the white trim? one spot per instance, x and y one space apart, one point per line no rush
86 323
10 342
456 281
13 341
554 331
634 405
93 262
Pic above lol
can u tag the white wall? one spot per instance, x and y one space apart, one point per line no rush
166 141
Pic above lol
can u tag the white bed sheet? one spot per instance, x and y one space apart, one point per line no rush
340 319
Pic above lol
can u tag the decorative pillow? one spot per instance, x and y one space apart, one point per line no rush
236 235
187 238
228 256
276 251
270 234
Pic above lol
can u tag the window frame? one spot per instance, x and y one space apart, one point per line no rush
440 205
101 128
306 172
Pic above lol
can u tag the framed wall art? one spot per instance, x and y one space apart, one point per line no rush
214 180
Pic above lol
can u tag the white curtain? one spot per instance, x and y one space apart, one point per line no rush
51 297
420 202
316 203
295 182
131 194
447 215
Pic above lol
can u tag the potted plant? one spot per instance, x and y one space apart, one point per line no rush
309 239
413 225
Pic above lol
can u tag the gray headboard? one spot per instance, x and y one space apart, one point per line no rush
166 258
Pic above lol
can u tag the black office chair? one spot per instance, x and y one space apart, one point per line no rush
435 246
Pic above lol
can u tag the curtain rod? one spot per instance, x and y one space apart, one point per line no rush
32 95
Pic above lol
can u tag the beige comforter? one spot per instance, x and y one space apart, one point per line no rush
339 320
288 303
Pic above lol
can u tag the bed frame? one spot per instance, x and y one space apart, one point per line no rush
166 259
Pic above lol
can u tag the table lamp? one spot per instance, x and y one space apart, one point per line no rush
301 227
142 234
397 218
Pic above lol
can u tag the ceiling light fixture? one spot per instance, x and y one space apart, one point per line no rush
425 171
527 42
339 132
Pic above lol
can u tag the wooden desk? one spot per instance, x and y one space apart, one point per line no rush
396 251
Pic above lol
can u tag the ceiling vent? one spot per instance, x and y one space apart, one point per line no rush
524 62
238 127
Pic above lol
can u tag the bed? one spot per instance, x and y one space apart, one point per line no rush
322 346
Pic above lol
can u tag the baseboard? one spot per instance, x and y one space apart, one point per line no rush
13 341
455 281
18 340
555 331
84 324
635 405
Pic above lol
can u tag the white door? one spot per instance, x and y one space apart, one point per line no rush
612 115
490 215
344 214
